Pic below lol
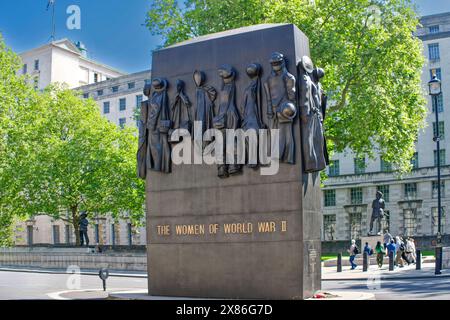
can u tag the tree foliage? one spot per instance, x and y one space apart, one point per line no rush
372 61
60 156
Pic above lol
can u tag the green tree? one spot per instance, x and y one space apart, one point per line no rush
372 61
60 156
16 99
82 162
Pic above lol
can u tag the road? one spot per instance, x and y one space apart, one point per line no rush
34 286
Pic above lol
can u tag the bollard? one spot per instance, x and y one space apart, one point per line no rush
418 259
339 262
365 262
438 257
391 261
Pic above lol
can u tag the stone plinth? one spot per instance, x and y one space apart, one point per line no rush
372 240
248 236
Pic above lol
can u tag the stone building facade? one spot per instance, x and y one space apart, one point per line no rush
411 200
118 96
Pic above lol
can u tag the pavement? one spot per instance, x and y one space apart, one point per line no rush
407 272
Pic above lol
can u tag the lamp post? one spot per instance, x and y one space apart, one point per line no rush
434 86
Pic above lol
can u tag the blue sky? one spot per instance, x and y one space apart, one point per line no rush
112 30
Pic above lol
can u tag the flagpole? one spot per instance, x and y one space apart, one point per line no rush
53 21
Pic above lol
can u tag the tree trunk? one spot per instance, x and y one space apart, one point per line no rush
75 223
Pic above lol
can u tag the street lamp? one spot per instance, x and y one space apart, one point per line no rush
435 90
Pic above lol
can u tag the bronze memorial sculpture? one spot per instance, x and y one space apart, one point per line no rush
251 109
158 124
318 74
256 234
227 117
180 111
143 136
378 206
281 109
206 95
311 119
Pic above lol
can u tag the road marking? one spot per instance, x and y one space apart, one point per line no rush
58 295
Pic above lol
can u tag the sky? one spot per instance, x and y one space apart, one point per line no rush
112 30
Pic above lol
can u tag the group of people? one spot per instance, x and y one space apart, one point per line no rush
402 249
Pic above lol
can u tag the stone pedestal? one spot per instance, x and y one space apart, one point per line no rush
372 240
247 236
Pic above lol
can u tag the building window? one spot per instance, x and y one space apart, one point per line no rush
329 197
139 98
435 220
95 77
67 233
433 51
356 196
122 122
360 165
385 166
434 189
106 107
25 69
333 169
56 238
409 222
36 65
36 83
97 233
441 129
113 234
434 29
355 225
329 227
440 103
30 231
131 85
130 234
438 73
115 89
410 190
441 157
415 160
385 191
85 95
123 104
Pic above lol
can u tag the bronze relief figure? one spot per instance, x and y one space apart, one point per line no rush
143 136
281 109
251 109
206 95
228 116
159 124
181 113
318 74
311 119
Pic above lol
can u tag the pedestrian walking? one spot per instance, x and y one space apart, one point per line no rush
398 249
380 251
411 248
387 238
392 248
353 251
368 249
